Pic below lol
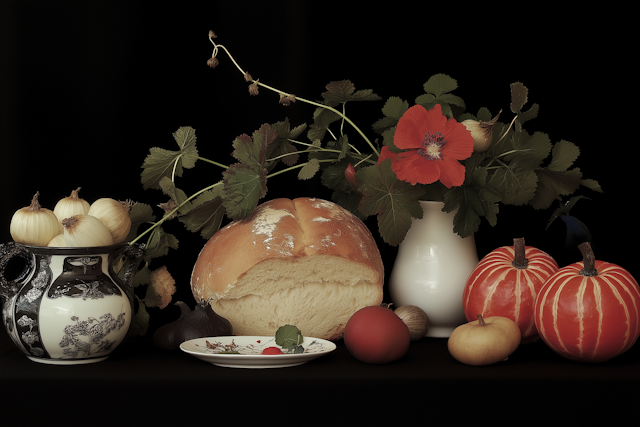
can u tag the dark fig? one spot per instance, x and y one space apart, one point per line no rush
200 322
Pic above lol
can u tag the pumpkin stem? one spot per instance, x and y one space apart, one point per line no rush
588 259
481 321
520 261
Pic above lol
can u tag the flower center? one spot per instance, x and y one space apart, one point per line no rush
431 146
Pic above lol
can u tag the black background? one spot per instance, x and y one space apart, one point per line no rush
86 88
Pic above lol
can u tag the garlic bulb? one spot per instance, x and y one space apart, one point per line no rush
58 241
481 132
416 320
114 215
34 225
85 231
70 206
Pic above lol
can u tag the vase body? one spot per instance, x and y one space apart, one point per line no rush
68 306
431 269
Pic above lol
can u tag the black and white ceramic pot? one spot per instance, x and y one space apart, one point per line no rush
67 306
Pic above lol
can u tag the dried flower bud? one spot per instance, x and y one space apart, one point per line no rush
247 77
168 207
213 62
287 99
253 88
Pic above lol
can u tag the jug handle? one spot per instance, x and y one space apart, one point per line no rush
8 288
134 254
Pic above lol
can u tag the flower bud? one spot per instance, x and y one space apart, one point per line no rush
350 175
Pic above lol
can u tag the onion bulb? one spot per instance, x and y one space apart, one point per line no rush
33 224
85 231
481 132
416 320
114 215
70 206
58 241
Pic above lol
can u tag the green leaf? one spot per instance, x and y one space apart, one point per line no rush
244 186
553 184
288 335
206 215
333 176
281 145
309 169
466 200
245 183
530 150
141 277
160 162
393 110
519 95
591 184
322 118
395 107
523 117
449 99
563 155
440 84
160 244
516 186
140 213
178 196
186 139
344 91
394 202
473 200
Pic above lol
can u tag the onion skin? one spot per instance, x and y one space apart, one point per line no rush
33 224
200 322
416 320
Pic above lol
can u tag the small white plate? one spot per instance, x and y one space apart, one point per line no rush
250 349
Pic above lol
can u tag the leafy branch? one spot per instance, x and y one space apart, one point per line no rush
514 167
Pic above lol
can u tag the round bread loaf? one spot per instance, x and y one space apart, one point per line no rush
305 262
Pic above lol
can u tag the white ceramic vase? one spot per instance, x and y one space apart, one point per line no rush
431 269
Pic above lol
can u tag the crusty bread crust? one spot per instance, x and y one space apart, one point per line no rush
306 261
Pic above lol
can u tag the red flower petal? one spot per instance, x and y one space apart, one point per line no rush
413 168
463 146
420 130
414 125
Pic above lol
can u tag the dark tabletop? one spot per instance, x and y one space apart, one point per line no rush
165 384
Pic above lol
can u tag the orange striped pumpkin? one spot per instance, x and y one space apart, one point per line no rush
589 311
505 283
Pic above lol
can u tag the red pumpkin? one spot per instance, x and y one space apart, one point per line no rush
589 311
505 283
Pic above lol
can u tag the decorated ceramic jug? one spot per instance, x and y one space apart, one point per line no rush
67 305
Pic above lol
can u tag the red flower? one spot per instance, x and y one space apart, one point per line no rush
434 147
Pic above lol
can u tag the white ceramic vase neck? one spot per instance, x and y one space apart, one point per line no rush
431 269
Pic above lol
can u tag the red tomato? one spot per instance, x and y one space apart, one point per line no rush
376 335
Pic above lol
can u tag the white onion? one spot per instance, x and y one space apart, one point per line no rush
85 231
33 224
114 215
